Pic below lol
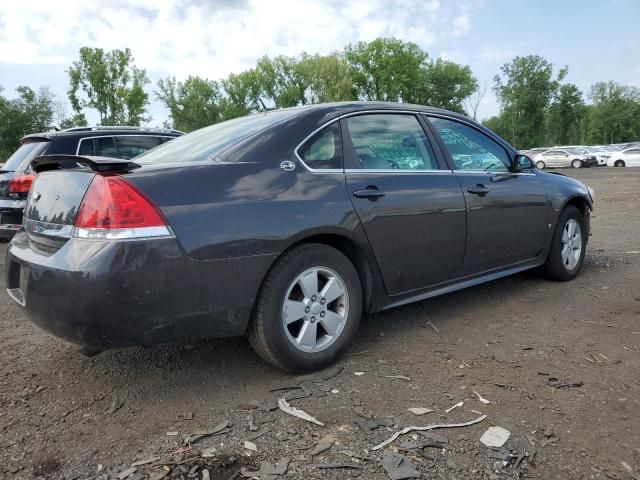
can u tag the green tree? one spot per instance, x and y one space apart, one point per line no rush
525 91
565 115
193 104
242 94
30 112
387 69
446 85
110 83
282 81
328 76
614 116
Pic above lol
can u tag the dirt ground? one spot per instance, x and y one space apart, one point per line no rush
66 416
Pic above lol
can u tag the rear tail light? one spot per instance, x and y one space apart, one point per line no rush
112 208
21 184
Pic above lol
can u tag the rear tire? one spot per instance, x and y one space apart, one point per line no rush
619 163
300 324
577 163
540 165
567 251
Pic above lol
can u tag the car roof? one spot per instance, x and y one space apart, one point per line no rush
98 132
358 105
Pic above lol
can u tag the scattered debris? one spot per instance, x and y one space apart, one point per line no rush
404 378
126 473
420 410
633 252
145 461
116 404
434 437
398 466
370 424
208 452
269 471
482 400
194 437
286 408
323 444
459 404
328 466
555 383
435 329
549 441
205 474
172 433
495 437
428 427
264 430
358 374
250 446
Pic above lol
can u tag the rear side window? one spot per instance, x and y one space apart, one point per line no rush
324 149
86 147
132 146
390 142
20 160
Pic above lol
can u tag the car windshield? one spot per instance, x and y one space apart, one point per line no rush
209 142
21 157
575 150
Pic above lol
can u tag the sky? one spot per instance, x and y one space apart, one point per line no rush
598 39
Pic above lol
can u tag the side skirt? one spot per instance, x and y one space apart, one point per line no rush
424 294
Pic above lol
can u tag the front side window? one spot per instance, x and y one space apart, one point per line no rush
324 149
469 148
132 146
551 153
390 142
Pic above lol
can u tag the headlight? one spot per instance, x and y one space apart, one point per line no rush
592 194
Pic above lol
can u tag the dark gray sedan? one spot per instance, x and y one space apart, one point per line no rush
286 226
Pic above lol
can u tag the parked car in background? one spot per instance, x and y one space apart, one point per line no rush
16 175
625 158
286 226
564 157
601 156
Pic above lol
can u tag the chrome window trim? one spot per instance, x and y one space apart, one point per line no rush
484 172
119 135
398 171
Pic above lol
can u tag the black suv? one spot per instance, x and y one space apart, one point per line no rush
16 175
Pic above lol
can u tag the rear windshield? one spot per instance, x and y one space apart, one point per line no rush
207 143
19 161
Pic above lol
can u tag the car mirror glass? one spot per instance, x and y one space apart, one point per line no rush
522 162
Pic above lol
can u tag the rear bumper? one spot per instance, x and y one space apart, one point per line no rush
119 294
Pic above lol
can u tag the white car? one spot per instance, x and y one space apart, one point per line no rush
563 157
626 158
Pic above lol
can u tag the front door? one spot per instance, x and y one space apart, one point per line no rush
506 211
411 207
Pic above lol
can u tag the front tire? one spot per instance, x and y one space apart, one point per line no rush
577 163
568 246
308 309
619 163
540 165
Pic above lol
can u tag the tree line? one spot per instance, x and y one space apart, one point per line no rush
537 106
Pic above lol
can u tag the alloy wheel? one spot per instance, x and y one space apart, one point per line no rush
571 244
315 309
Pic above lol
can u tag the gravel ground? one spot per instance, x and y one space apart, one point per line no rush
63 415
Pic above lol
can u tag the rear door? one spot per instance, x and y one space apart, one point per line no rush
506 210
411 207
556 158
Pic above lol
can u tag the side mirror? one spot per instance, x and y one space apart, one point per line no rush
522 162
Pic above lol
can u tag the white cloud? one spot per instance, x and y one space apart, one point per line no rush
457 56
461 25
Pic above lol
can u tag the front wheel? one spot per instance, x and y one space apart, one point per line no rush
568 246
540 165
308 309
577 163
619 163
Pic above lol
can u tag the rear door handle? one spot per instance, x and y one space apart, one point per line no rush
478 190
372 193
